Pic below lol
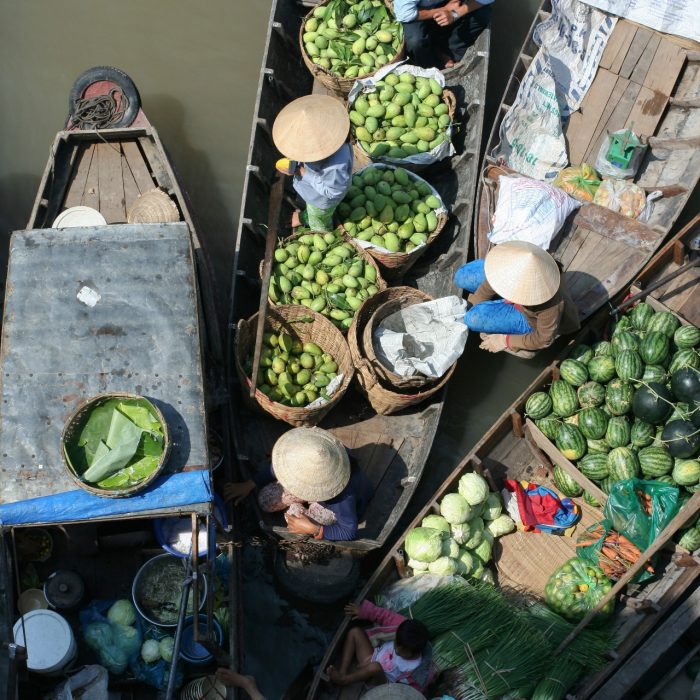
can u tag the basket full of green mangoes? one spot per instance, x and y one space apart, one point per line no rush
393 214
402 115
342 40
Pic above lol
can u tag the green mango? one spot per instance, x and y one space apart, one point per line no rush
370 192
384 187
401 97
407 78
433 202
380 201
371 125
399 120
384 36
358 201
394 133
391 79
422 146
435 87
443 121
392 110
397 152
371 209
409 137
418 238
361 105
420 224
356 118
386 94
388 176
392 242
377 111
377 150
387 214
358 47
401 197
358 213
441 110
432 101
431 218
406 230
362 134
367 59
377 240
425 133
312 49
402 212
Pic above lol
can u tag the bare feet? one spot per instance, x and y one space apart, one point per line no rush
449 63
335 676
296 220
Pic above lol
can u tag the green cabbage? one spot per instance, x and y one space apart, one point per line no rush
417 565
150 651
476 534
477 568
492 507
455 509
424 544
98 635
122 613
461 532
474 488
444 566
483 551
437 522
450 548
487 576
467 561
127 638
502 525
166 646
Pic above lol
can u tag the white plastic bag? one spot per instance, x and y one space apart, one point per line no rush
407 591
90 683
607 169
529 210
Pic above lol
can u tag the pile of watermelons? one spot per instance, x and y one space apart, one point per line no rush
628 407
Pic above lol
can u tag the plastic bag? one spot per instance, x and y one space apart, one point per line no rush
155 674
621 196
580 181
90 683
407 591
608 169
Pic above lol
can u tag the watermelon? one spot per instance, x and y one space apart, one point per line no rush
686 472
624 323
623 463
574 372
573 420
654 373
684 358
618 431
655 461
642 433
591 394
664 322
693 488
685 383
589 498
681 411
628 365
694 408
690 539
594 466
601 348
602 368
565 483
582 353
538 405
624 340
652 403
592 423
681 437
655 348
686 337
571 442
564 400
597 446
666 479
607 483
618 396
641 315
549 425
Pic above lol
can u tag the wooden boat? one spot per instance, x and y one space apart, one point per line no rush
108 170
525 561
646 81
392 450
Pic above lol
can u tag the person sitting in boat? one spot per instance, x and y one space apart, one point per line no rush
311 477
438 33
395 651
534 306
311 133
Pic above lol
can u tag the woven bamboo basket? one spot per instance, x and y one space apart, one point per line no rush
384 399
395 265
307 326
380 283
337 84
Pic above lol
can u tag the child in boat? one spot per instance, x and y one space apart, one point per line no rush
395 651
534 307
310 476
311 133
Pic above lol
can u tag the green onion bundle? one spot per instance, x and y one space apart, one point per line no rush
564 673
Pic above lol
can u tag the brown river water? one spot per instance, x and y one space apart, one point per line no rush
196 66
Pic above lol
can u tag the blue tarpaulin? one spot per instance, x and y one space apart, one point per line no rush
184 489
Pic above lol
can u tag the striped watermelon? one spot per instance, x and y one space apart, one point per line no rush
642 433
598 446
655 461
628 365
624 340
623 463
607 483
549 425
681 411
693 488
641 315
571 442
618 396
594 466
624 323
654 373
574 372
686 472
665 322
602 347
592 423
582 353
618 431
591 394
591 499
686 337
602 368
564 400
690 539
655 348
684 358
666 479
538 405
565 483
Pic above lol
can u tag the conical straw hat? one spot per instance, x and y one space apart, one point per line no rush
153 207
311 464
392 691
311 128
522 272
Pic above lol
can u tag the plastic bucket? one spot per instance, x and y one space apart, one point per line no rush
193 652
49 641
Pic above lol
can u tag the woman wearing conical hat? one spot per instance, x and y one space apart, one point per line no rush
519 299
311 133
311 478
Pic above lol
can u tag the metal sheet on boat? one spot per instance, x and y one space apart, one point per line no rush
89 311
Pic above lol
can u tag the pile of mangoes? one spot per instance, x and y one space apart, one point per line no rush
352 39
404 116
324 273
391 208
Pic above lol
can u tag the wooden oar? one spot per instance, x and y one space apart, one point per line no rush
276 193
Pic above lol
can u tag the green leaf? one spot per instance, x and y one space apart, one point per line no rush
123 440
141 415
378 16
96 427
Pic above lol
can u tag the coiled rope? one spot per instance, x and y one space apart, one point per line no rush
101 111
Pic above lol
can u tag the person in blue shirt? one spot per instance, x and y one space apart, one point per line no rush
311 133
311 476
438 32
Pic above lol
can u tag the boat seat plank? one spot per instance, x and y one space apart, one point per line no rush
618 45
76 186
91 193
111 183
137 166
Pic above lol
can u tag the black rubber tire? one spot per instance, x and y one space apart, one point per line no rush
114 75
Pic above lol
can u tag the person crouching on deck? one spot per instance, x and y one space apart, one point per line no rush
311 133
310 477
396 651
534 306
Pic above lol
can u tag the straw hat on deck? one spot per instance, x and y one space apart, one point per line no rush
311 128
311 463
522 272
392 691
